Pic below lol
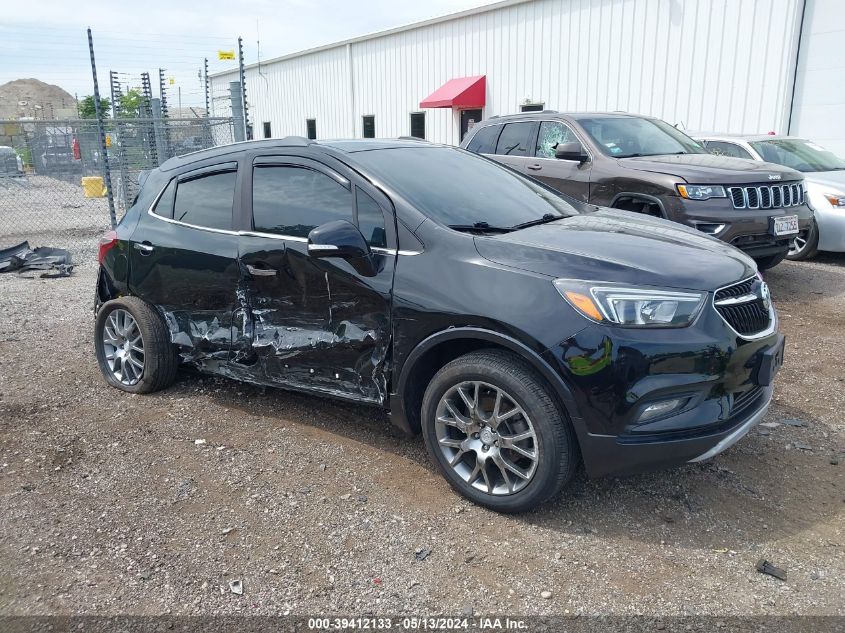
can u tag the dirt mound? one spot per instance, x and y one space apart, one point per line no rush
34 98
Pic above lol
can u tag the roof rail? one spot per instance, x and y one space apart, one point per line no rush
550 112
298 141
413 138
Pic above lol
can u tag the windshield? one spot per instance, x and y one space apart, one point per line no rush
798 154
624 137
458 188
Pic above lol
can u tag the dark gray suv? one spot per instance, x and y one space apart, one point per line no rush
645 165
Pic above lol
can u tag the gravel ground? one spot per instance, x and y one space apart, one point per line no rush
121 504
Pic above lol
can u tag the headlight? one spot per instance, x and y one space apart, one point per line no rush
631 307
701 192
835 199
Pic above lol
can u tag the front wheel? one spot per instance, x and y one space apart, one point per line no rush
133 346
806 243
765 263
495 432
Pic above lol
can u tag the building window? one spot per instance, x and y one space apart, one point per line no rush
418 124
311 125
532 107
267 133
369 126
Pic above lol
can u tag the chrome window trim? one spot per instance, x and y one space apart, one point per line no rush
773 325
272 236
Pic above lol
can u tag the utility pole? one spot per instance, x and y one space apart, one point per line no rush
162 93
112 81
101 132
247 135
205 81
147 113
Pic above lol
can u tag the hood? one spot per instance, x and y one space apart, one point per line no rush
832 179
619 246
709 168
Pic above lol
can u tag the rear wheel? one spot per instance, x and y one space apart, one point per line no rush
806 243
133 346
764 263
496 433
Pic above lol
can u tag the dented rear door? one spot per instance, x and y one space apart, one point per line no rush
183 260
313 324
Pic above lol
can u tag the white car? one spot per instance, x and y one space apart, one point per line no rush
824 180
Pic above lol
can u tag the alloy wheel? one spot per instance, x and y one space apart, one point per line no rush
487 438
123 347
798 243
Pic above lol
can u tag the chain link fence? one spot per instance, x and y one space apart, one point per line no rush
52 177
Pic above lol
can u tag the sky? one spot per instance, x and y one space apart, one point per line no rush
47 39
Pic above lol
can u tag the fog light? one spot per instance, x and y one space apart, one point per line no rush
661 408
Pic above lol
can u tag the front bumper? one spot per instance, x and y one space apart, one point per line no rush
616 373
607 455
750 230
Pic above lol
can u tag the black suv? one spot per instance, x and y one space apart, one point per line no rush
645 165
520 331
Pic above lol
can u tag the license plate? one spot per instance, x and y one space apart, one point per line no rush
770 362
786 225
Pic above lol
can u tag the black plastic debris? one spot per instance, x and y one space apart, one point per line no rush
55 261
765 567
422 554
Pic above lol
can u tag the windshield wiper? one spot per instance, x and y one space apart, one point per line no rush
548 217
480 227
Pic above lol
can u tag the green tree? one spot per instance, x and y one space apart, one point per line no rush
88 111
130 103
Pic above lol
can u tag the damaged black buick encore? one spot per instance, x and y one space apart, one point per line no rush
520 331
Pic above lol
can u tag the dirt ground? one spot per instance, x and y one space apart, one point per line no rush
120 504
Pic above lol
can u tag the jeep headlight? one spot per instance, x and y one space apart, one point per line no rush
701 192
631 306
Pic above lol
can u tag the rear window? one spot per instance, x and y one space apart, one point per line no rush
164 206
484 141
206 201
454 187
515 140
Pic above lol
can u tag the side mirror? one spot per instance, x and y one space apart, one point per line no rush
571 151
341 238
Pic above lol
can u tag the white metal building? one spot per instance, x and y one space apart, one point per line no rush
707 65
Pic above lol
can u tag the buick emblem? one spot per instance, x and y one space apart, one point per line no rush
774 176
765 295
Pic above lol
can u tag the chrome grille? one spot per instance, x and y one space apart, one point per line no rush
767 196
741 305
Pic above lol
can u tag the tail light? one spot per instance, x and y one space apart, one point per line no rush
107 242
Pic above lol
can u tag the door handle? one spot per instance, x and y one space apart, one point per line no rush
145 247
260 272
534 167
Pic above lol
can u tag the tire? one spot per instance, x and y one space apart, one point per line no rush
765 263
158 358
810 248
553 443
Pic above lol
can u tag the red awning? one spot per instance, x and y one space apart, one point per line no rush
464 92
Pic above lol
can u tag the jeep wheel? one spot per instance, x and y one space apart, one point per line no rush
496 433
133 346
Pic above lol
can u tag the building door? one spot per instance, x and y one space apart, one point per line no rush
468 119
